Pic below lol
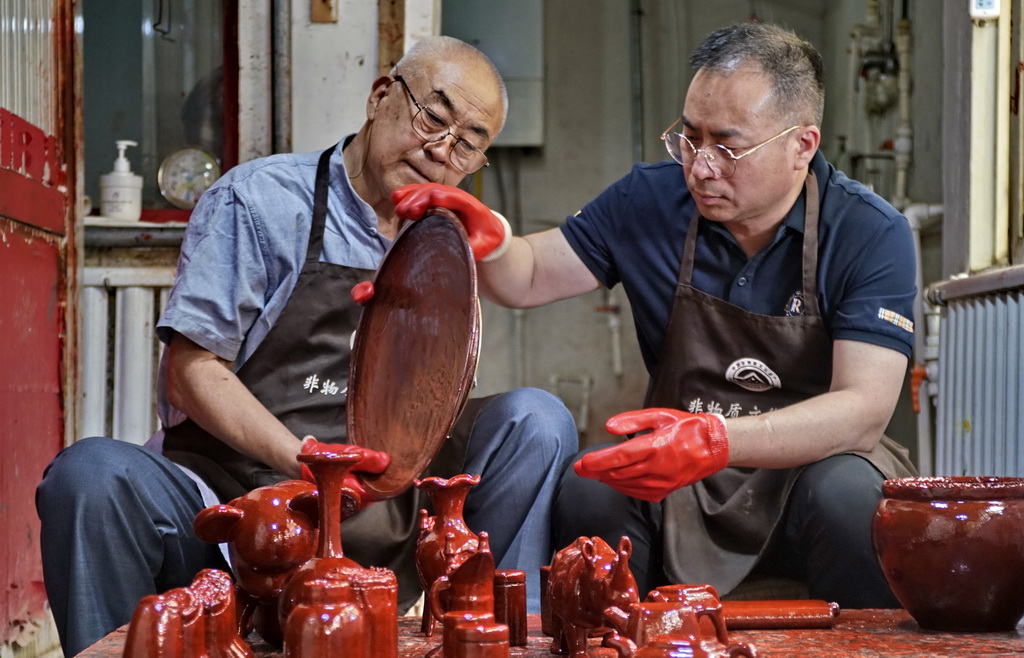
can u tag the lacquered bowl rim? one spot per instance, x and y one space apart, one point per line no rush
948 487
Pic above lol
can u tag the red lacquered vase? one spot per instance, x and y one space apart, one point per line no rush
329 470
445 540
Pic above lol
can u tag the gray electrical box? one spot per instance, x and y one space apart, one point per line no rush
511 33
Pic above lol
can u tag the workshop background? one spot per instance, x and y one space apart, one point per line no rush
922 104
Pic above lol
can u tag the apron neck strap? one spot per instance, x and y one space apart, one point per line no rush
316 232
810 245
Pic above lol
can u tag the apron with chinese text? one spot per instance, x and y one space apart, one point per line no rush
720 358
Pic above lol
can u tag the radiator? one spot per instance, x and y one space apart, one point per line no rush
120 351
980 389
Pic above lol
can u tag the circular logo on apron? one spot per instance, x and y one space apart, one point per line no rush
752 375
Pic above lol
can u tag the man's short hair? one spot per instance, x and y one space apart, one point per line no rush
793 65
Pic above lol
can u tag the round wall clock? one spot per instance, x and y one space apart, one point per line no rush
185 174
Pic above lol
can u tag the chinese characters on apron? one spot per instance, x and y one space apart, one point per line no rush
719 358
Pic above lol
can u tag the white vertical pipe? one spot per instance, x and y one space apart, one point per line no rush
917 215
904 144
94 361
133 365
989 143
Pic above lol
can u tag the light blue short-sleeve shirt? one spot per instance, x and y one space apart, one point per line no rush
245 246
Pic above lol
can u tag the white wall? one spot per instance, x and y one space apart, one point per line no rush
333 66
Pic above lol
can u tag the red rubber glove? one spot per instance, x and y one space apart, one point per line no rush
362 292
372 462
682 449
486 231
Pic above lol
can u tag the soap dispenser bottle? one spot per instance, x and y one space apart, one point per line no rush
121 190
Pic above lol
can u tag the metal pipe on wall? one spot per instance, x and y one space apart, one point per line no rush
903 144
282 75
921 216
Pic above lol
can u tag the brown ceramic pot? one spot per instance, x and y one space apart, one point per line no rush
952 549
445 540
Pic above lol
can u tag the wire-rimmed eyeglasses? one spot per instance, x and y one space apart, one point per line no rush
720 160
431 128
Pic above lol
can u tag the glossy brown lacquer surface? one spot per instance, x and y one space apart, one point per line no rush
586 578
198 620
329 470
445 541
952 549
468 587
510 604
752 614
325 621
415 351
479 639
266 537
857 633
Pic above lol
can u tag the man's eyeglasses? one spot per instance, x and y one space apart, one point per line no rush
720 160
431 128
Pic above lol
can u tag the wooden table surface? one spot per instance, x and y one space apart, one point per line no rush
857 633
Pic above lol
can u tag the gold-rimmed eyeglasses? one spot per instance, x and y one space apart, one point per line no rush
431 128
720 160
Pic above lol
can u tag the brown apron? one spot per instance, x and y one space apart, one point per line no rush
311 339
720 358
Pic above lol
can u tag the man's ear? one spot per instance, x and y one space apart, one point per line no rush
377 92
808 138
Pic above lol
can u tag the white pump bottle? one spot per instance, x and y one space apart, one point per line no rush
121 190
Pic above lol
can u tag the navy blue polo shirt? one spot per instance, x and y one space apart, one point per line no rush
633 233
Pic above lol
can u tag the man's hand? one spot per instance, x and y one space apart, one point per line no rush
681 449
372 462
489 233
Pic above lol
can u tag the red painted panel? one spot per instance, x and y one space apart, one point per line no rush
31 410
30 202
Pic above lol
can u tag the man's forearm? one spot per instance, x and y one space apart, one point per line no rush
210 394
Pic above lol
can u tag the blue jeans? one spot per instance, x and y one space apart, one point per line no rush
117 517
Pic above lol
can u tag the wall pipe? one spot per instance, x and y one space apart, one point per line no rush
903 144
926 340
282 76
